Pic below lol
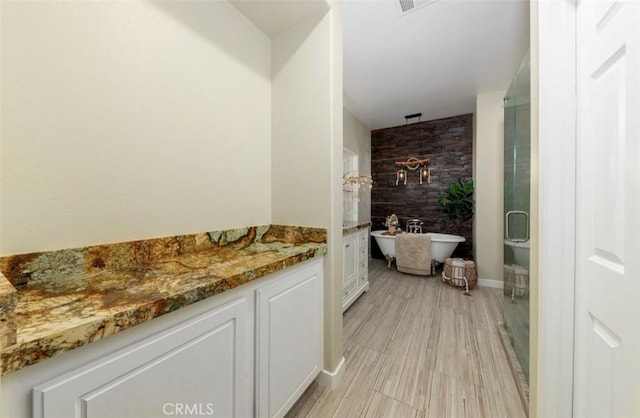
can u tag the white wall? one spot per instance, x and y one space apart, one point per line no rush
489 180
307 148
131 120
357 138
301 130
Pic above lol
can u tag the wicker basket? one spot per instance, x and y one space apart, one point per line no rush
460 274
516 281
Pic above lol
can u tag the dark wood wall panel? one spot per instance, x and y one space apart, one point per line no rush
448 142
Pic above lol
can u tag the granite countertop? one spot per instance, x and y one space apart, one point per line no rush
52 302
355 226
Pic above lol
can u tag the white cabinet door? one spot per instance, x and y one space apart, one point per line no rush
350 257
288 338
355 267
201 367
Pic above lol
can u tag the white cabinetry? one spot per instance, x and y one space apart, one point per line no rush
288 340
251 351
350 258
355 266
201 364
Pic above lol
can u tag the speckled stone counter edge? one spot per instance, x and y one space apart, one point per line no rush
351 227
302 243
7 306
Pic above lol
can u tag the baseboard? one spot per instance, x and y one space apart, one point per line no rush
497 284
331 379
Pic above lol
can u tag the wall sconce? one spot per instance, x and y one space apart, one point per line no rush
413 163
425 173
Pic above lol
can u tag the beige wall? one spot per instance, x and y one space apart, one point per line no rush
357 138
307 148
489 180
129 120
301 128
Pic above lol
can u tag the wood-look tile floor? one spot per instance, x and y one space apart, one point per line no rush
517 312
415 347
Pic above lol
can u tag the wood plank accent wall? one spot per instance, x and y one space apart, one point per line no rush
448 142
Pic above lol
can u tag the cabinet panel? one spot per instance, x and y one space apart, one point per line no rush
350 257
202 366
363 281
363 236
288 339
355 282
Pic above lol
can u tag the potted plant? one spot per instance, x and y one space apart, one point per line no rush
456 203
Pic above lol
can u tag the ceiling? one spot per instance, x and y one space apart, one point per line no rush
435 59
276 16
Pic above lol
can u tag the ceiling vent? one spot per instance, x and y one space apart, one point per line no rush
407 6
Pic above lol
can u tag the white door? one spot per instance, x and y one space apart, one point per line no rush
607 338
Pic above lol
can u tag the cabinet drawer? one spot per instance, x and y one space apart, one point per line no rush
362 279
363 245
349 288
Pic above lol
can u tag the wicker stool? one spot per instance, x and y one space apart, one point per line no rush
460 274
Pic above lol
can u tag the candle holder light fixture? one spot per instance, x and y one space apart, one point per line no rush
413 163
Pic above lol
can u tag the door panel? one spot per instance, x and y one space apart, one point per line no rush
607 376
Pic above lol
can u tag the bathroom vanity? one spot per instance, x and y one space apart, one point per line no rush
226 323
355 252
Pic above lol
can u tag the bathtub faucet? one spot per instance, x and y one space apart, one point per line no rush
414 226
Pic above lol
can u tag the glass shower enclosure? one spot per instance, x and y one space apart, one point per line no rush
517 180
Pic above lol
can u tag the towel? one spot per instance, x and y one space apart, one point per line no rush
413 254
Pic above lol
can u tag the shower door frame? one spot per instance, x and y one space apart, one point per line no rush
516 215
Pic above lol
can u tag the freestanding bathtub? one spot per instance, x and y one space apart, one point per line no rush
519 252
442 245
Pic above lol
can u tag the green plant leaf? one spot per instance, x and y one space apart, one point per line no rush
456 202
